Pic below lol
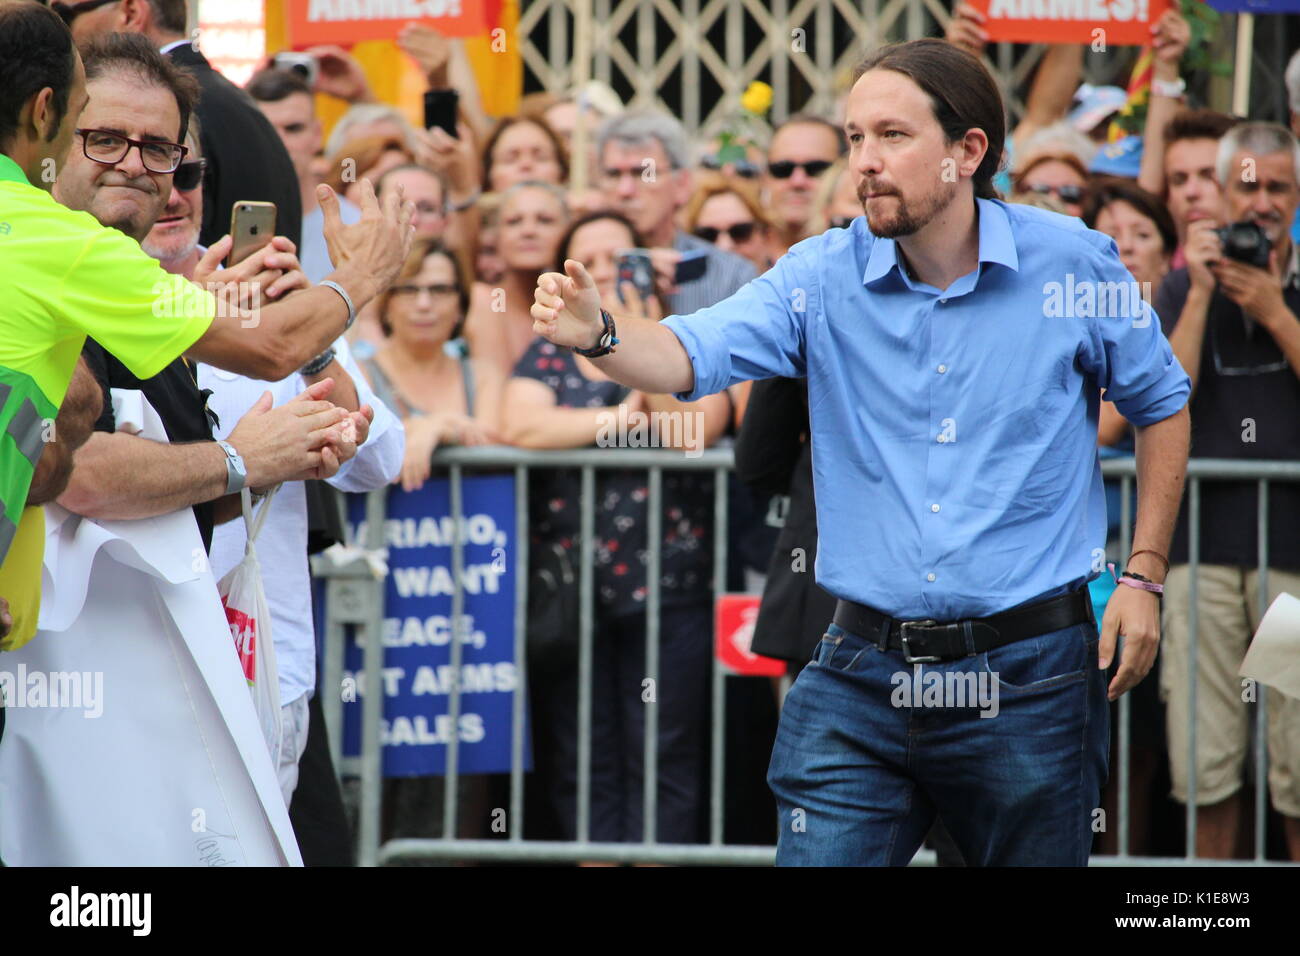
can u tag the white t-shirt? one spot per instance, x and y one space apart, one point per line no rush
282 544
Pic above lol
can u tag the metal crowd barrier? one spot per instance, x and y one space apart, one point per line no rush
355 597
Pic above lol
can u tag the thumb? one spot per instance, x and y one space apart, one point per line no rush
1109 632
263 404
578 273
211 260
315 392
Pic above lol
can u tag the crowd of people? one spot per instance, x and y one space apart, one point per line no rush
434 240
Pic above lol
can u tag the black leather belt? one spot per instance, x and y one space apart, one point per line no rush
930 641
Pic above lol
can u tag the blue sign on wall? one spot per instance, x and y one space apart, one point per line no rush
417 676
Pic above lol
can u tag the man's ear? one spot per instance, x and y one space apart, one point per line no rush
136 16
41 116
975 145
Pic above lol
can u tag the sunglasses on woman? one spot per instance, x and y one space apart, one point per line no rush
740 232
1070 194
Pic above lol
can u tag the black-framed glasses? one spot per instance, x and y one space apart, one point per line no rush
105 146
743 167
1070 194
70 11
841 222
189 175
739 232
784 168
435 289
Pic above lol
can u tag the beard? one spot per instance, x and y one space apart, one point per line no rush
910 217
173 247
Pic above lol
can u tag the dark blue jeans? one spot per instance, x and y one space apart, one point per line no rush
618 709
870 748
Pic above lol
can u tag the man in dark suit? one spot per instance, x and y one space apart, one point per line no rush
246 158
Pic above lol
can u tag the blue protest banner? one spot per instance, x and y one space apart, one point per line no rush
1262 7
417 635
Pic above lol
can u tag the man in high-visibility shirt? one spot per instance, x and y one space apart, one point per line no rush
63 276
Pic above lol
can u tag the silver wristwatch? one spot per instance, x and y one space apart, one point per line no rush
236 473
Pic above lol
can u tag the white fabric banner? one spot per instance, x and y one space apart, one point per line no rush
131 737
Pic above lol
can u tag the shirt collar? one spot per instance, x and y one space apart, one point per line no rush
11 171
996 244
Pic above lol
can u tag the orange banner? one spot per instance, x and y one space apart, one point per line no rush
1121 22
345 22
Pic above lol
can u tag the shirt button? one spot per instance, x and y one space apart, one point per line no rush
930 576
934 507
942 369
943 301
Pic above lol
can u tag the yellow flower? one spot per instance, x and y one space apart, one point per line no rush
757 98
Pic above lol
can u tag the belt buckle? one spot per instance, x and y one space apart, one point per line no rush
904 637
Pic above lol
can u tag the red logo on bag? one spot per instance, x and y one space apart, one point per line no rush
734 618
244 630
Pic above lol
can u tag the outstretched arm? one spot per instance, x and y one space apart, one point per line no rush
649 357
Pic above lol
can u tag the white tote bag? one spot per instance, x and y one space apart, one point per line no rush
244 599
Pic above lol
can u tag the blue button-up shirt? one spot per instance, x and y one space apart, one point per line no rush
954 431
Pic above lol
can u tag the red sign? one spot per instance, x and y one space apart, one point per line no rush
1122 22
733 627
244 630
345 22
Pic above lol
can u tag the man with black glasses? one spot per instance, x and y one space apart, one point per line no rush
246 160
120 175
1233 325
66 276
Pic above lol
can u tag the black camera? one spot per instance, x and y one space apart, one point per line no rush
1245 242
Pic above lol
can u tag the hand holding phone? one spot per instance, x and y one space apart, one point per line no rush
635 266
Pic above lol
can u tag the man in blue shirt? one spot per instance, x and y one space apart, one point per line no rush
955 354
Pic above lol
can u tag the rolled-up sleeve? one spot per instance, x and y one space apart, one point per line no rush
1129 354
378 461
759 332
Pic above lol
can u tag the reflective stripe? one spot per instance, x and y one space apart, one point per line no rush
25 429
7 531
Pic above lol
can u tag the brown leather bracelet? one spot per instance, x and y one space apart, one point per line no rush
1148 551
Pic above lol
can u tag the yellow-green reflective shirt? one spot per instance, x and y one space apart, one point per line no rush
63 277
